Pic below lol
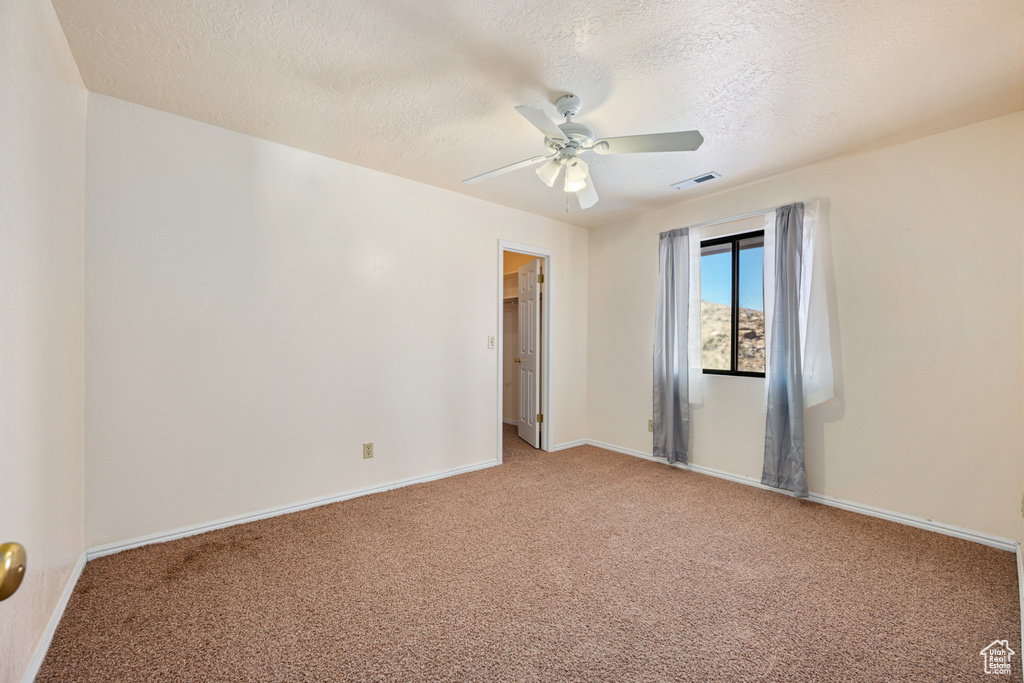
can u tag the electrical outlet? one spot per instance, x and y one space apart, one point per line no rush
650 425
367 449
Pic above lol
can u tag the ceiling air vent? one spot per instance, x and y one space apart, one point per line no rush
702 178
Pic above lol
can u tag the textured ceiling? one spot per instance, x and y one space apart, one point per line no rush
426 89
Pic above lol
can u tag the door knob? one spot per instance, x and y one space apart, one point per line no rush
12 568
517 360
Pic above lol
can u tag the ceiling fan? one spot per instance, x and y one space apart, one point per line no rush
565 142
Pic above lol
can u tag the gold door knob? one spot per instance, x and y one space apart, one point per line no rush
517 360
12 568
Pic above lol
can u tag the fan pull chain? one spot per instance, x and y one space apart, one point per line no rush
567 202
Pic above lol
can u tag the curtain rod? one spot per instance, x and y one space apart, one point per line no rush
750 214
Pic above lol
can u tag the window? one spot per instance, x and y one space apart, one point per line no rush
732 305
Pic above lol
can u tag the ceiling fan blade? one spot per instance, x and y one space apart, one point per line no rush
541 122
683 141
588 195
505 169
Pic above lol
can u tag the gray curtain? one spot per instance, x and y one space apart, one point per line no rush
671 371
784 432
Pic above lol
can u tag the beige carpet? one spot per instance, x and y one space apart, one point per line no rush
582 565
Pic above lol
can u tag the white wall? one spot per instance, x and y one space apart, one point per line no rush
42 185
255 312
927 244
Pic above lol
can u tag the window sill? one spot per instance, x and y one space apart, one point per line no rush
729 373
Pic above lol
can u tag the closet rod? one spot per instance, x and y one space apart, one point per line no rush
751 214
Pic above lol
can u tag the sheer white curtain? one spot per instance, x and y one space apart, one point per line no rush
815 347
696 367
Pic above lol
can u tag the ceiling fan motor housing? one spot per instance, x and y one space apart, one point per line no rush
580 136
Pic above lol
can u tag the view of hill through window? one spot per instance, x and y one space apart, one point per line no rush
716 309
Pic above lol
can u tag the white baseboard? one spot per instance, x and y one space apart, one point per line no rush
44 643
510 422
111 548
919 522
568 444
909 520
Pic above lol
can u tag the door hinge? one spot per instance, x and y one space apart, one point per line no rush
540 417
540 279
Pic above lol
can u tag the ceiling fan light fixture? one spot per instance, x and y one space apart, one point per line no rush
576 172
549 171
574 186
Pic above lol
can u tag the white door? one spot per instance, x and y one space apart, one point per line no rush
528 356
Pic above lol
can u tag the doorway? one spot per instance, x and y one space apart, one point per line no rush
524 334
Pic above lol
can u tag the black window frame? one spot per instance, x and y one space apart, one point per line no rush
734 240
